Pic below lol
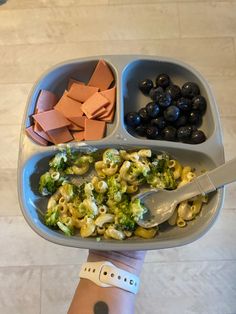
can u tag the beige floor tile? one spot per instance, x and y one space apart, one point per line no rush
13 102
21 58
28 4
68 24
57 293
118 2
24 247
204 287
10 135
207 19
20 290
199 287
28 246
8 193
229 136
224 91
216 244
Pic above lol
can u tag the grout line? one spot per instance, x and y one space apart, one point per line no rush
42 267
234 47
112 40
109 4
178 11
40 291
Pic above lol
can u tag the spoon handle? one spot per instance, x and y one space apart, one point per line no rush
209 181
223 174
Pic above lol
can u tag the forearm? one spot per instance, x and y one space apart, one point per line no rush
92 299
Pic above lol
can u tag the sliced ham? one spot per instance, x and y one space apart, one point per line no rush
50 120
35 137
102 76
94 130
81 92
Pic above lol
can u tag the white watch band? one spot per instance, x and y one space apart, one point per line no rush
105 274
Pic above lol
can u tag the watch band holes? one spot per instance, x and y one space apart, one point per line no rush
125 279
131 282
89 269
119 277
105 273
94 270
112 275
85 269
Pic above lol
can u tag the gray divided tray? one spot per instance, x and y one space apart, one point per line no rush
128 71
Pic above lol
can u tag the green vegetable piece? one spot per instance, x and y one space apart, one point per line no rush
59 161
51 217
67 230
47 186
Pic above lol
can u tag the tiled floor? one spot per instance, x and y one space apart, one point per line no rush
37 277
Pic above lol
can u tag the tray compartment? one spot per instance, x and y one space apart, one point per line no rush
56 80
140 69
34 205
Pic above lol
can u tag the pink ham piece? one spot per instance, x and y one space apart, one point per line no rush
108 118
38 130
97 114
59 136
35 137
79 121
71 81
110 94
81 92
74 127
78 136
94 130
94 104
46 101
50 120
102 76
69 107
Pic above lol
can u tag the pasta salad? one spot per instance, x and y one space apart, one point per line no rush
103 206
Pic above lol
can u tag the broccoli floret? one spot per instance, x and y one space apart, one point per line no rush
161 176
114 189
59 161
100 198
168 178
68 191
47 186
81 192
84 159
67 230
137 209
51 217
111 156
138 168
126 222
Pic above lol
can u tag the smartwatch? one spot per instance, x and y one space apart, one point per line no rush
105 274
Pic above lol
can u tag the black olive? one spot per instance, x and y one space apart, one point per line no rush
169 133
163 80
171 113
152 109
145 86
152 132
132 119
190 90
174 91
198 137
199 103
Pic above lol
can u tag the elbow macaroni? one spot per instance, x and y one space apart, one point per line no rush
104 207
